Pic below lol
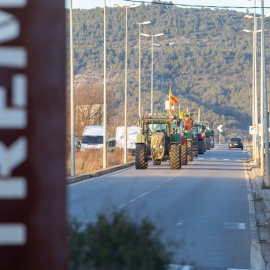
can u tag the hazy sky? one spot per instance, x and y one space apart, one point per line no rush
87 4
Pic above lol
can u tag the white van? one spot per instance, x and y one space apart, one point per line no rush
92 137
131 138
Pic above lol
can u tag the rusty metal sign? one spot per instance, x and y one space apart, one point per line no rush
32 134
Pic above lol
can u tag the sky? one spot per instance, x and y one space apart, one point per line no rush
88 4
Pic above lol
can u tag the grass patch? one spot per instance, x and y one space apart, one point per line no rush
257 200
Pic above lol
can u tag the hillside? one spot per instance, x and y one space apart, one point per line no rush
209 66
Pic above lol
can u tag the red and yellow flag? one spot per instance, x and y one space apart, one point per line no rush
172 99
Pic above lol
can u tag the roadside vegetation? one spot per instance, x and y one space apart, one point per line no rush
116 243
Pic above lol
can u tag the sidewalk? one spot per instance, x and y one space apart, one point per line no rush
255 174
261 198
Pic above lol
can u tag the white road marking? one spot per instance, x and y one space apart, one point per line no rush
225 159
153 189
213 158
180 222
200 158
232 225
180 267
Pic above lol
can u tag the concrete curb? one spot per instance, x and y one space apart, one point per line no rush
82 177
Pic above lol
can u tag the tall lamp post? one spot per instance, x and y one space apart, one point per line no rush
262 130
254 87
72 150
161 45
125 145
105 97
142 23
152 70
265 122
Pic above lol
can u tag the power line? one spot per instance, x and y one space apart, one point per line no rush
187 5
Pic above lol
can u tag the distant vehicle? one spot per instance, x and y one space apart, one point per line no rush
111 146
131 138
235 142
92 137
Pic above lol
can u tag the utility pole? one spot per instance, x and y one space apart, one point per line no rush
105 97
266 138
72 146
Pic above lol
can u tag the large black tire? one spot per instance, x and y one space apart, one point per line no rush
156 162
201 147
204 144
208 143
213 138
190 150
140 156
184 159
175 157
195 149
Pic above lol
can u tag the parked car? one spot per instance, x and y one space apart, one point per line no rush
235 142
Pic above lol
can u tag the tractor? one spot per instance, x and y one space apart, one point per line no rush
198 130
160 139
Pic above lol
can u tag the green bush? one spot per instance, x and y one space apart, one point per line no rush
116 243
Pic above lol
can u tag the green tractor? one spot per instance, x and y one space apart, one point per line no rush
160 139
212 135
192 144
206 131
198 131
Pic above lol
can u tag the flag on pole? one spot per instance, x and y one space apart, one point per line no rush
172 99
181 115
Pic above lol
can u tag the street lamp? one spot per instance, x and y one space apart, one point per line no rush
152 71
105 97
72 150
161 45
143 23
125 145
265 130
254 86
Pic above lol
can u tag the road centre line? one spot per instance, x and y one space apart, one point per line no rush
153 189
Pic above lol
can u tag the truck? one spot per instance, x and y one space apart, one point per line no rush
160 139
92 137
132 132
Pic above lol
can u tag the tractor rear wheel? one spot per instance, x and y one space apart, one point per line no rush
175 157
140 159
204 144
184 154
195 149
201 147
208 143
190 150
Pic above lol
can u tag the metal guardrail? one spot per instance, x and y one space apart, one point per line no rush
82 177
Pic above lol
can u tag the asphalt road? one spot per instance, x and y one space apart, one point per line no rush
203 207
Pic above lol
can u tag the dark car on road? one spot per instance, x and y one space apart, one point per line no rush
235 142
